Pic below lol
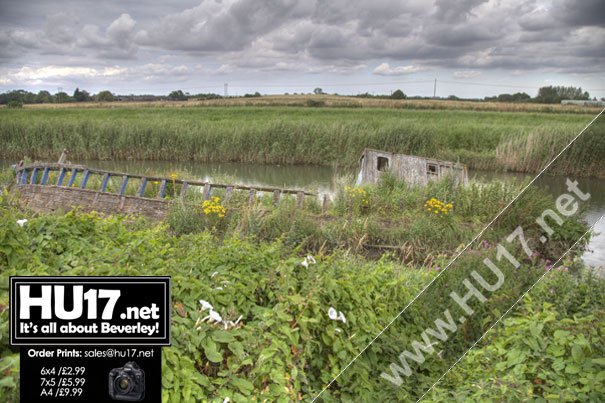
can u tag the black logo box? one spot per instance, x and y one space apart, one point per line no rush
135 292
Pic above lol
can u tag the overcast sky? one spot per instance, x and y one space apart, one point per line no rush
277 46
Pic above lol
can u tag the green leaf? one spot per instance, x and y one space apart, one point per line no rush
222 336
577 353
7 382
535 329
599 361
237 348
242 384
572 369
211 351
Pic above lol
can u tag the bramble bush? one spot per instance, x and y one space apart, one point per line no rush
539 354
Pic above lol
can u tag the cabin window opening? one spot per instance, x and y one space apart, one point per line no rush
382 164
432 169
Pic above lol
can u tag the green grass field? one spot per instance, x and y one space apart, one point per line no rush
285 135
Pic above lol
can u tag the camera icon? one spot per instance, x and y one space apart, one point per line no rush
127 383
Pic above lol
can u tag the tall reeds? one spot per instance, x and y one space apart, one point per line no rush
279 135
583 156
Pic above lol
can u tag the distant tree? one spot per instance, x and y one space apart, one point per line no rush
177 95
516 97
202 97
521 97
453 98
14 104
318 91
555 94
22 96
105 96
81 96
255 95
398 94
505 98
44 97
61 97
28 97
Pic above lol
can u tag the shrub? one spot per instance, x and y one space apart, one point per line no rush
398 94
14 104
314 103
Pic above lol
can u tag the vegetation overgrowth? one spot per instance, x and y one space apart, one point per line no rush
251 262
370 220
486 140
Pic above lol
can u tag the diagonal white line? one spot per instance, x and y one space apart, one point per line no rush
456 257
509 309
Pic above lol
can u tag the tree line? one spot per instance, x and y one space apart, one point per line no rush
16 98
20 97
546 95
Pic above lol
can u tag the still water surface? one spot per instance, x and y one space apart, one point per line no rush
322 179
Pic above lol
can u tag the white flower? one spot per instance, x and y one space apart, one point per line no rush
22 222
215 317
227 400
336 315
308 259
206 305
214 274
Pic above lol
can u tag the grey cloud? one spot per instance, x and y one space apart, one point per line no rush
220 26
580 12
455 11
64 34
116 42
460 35
316 35
536 20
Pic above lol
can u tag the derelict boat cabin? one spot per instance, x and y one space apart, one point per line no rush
409 168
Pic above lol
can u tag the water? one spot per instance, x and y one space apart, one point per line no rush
322 179
595 255
306 177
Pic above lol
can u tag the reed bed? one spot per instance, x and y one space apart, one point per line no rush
279 135
533 152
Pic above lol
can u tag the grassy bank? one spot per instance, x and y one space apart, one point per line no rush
287 348
288 135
